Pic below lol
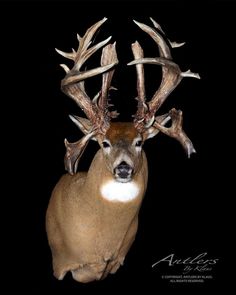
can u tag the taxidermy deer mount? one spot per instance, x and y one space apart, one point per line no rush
92 217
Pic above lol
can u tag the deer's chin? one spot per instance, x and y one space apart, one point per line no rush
123 180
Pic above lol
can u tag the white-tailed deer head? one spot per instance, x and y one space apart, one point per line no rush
92 217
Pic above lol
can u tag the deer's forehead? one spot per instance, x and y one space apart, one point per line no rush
121 131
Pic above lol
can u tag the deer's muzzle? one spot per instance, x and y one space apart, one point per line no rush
123 172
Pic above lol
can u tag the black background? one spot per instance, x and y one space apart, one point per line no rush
188 205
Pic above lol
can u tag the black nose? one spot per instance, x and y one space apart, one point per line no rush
123 170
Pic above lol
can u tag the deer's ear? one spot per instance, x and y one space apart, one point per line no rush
83 124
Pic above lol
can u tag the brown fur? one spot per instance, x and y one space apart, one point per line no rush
89 235
120 131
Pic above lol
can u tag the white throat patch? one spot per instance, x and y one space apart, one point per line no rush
119 191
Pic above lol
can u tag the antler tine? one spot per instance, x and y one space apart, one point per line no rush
73 82
138 54
82 54
142 107
109 56
162 45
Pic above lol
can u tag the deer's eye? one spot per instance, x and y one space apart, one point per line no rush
106 144
138 143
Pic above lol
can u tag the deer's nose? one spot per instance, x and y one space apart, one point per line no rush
123 170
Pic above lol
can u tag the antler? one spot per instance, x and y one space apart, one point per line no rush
96 110
171 77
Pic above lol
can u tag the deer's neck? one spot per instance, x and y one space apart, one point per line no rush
112 217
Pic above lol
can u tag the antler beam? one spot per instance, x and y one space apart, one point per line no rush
171 77
96 110
72 84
